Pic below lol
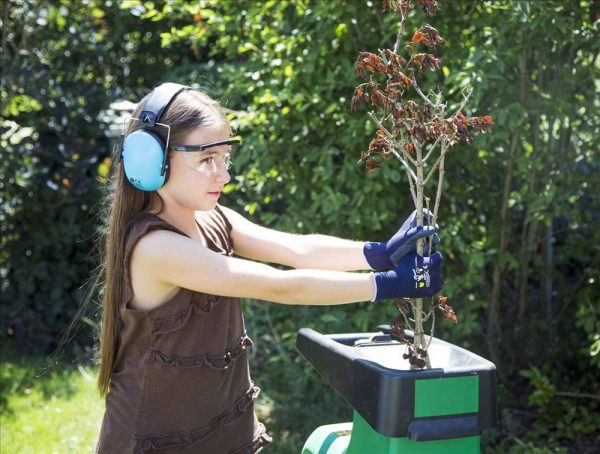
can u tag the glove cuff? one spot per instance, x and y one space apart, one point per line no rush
376 255
374 287
387 285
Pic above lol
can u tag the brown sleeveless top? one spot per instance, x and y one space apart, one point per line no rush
181 382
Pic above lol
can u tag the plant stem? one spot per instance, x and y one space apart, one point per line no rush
432 332
420 93
419 340
431 222
390 137
466 97
439 161
407 321
438 195
431 151
411 184
400 33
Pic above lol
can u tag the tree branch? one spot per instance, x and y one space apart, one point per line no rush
412 186
439 159
577 395
400 33
432 329
425 98
438 195
391 138
465 99
432 148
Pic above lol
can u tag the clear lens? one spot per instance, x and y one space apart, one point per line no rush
207 161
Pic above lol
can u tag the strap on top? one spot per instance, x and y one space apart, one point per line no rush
160 98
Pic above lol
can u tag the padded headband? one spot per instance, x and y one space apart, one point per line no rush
144 152
159 100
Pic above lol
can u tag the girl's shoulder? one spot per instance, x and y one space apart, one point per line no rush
143 223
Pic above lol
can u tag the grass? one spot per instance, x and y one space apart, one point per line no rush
50 411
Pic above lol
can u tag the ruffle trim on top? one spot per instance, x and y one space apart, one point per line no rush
187 439
256 444
175 321
215 362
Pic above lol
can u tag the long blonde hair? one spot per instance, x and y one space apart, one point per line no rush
189 110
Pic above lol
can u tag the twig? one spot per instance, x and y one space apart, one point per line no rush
433 168
399 35
578 395
417 146
438 195
428 316
412 186
433 225
391 137
411 174
408 174
432 148
403 140
432 329
425 98
407 321
406 153
465 99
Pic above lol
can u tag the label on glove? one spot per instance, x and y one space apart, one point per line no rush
421 277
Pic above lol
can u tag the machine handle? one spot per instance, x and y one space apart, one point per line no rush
444 428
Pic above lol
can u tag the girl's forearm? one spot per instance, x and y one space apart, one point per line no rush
324 287
299 286
329 253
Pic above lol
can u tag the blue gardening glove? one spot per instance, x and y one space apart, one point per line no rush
414 277
385 256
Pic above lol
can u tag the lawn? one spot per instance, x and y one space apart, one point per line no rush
48 410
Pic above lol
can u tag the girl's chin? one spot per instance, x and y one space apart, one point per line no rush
207 205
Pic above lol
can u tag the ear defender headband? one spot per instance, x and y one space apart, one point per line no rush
144 152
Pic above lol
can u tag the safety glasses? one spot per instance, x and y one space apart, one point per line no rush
205 146
209 157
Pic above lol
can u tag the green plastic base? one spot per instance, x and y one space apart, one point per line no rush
359 437
330 439
365 439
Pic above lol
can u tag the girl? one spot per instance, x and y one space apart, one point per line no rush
173 367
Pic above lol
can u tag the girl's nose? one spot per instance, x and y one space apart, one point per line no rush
222 175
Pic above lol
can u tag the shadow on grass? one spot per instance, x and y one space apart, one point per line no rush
28 375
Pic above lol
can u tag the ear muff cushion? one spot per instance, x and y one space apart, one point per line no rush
143 153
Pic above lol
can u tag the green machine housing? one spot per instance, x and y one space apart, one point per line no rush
398 410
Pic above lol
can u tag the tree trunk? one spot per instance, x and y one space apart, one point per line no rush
493 325
547 278
528 245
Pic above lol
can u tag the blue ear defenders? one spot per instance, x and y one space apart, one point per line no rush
144 152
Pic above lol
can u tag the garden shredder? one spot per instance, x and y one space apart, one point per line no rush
396 409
